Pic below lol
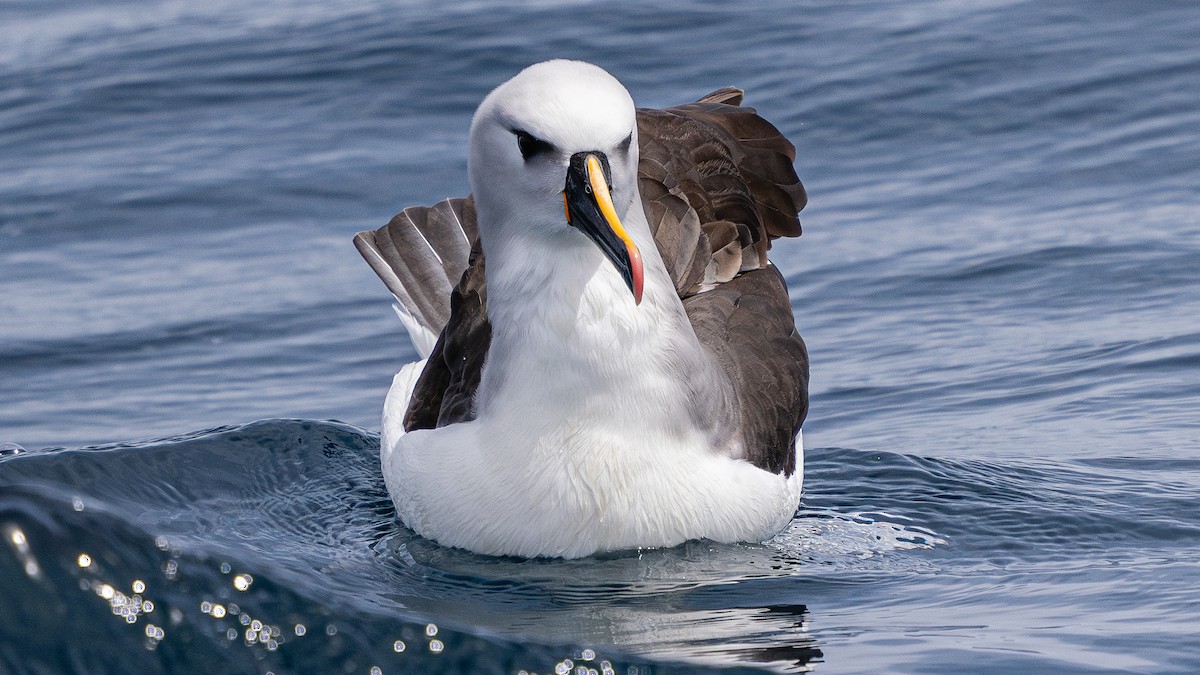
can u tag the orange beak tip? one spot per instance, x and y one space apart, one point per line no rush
635 265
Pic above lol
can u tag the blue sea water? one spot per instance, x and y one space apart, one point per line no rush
999 283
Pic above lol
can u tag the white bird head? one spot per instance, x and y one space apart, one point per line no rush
553 158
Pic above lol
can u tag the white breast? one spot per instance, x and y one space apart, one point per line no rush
582 443
578 492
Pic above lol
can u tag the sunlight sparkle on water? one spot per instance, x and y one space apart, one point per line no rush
20 545
128 607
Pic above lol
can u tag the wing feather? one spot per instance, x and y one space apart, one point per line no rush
421 254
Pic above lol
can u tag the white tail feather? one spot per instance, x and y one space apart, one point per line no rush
396 403
422 338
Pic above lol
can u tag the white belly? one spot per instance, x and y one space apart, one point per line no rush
588 438
572 493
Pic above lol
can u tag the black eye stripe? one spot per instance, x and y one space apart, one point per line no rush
531 147
625 143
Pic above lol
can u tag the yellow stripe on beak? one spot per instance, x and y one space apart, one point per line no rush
595 176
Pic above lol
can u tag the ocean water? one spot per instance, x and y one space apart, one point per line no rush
999 283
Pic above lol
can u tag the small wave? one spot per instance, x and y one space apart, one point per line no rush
984 508
823 534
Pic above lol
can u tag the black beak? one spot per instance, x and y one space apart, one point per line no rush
588 200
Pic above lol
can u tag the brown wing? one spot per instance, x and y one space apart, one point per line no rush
717 185
445 392
746 323
421 254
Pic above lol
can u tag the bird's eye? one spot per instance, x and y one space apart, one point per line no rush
531 147
624 145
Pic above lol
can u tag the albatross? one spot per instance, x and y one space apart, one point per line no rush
609 359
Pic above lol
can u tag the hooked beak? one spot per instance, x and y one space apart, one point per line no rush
588 202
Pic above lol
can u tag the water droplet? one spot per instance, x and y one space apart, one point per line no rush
225 568
331 630
376 670
218 611
436 646
85 560
256 626
431 629
242 581
399 646
161 542
139 586
251 635
588 655
105 591
206 607
231 634
300 629
77 503
147 606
